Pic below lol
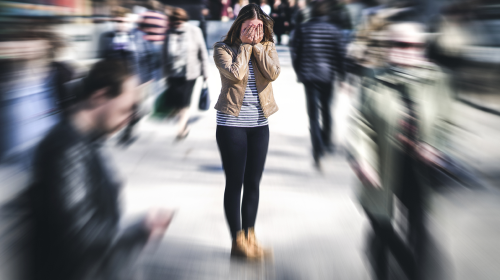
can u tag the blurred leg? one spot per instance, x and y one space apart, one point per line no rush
417 232
326 115
185 91
258 142
182 125
390 241
232 142
312 98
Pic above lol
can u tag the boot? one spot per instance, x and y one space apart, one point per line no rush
240 246
255 247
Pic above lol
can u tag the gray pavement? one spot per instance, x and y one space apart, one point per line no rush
310 219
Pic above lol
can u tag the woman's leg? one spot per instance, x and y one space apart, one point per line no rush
258 142
182 124
232 142
187 92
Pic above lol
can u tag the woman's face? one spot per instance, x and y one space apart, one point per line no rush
249 22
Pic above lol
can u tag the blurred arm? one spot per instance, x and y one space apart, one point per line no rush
86 216
233 70
202 53
365 147
340 53
296 48
267 61
443 125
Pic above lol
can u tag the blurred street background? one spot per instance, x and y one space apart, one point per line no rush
309 216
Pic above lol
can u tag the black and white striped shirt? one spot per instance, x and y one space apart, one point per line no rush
251 114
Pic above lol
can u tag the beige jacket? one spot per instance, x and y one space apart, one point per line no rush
197 56
232 62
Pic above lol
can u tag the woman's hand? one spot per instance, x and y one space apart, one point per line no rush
259 35
247 35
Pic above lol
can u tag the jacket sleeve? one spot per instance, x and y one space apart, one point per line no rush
443 124
296 48
233 70
202 53
364 143
267 61
78 210
340 60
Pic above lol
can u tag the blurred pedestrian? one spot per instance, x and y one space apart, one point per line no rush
402 131
318 58
73 196
291 9
226 11
186 59
130 45
248 62
32 91
366 55
154 23
278 14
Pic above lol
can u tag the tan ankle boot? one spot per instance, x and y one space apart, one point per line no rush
253 246
240 246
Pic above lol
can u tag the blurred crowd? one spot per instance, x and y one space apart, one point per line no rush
402 63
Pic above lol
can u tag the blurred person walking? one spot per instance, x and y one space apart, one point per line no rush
154 23
186 59
248 62
73 205
291 9
226 11
402 130
32 91
278 14
318 58
130 45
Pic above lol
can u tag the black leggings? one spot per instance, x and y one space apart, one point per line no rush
243 151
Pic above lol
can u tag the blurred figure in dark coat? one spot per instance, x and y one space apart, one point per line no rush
317 55
73 196
279 15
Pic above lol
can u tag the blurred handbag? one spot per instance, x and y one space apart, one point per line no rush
204 102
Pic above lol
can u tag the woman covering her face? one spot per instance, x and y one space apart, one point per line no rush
248 63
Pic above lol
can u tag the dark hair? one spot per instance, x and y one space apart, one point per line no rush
320 8
107 73
250 11
178 14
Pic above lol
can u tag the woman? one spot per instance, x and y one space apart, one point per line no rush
248 62
186 59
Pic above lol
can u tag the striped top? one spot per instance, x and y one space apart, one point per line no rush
154 24
251 114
